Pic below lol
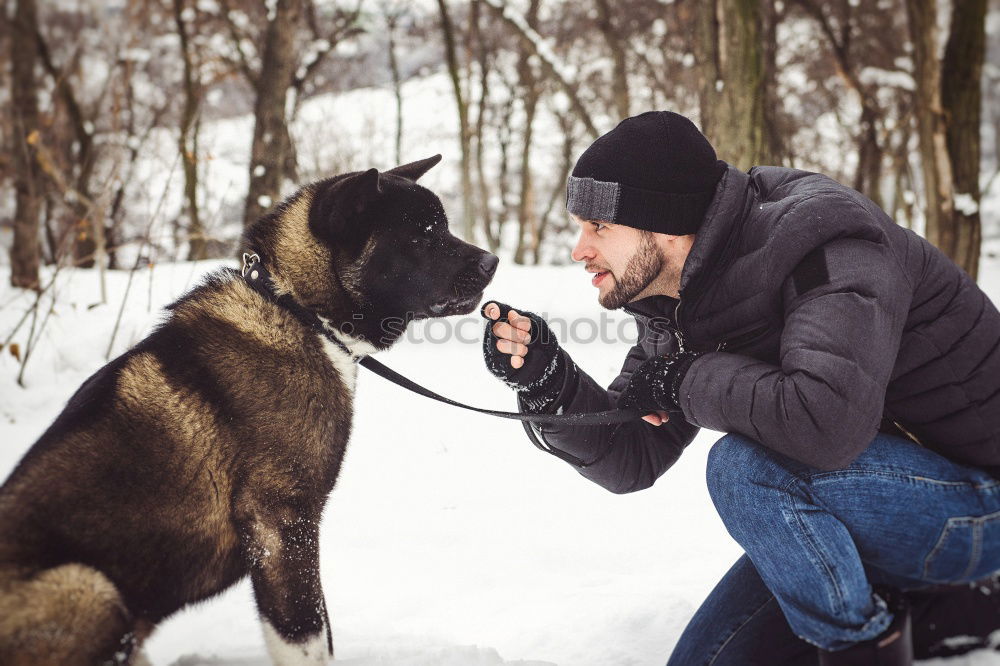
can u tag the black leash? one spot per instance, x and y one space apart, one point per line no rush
588 418
259 279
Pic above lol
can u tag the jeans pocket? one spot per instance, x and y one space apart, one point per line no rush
967 550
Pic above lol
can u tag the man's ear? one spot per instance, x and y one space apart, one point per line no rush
415 170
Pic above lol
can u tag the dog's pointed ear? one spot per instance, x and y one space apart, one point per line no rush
360 190
415 170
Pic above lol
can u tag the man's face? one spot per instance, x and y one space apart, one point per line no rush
628 264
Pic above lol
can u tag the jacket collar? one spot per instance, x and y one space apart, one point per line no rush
722 219
651 306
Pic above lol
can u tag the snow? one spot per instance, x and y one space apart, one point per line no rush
875 76
449 540
966 204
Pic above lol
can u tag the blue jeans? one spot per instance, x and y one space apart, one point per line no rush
816 541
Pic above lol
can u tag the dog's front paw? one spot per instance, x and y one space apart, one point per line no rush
313 651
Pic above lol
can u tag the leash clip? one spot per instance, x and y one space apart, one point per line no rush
250 259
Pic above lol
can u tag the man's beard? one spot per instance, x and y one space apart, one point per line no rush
645 266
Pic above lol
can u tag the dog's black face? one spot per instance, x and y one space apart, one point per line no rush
416 265
393 236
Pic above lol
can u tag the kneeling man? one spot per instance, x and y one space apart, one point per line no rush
855 368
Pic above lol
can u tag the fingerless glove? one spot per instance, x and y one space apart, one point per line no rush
655 385
539 381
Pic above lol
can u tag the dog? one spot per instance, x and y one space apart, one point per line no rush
205 453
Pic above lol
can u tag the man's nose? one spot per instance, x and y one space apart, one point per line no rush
582 251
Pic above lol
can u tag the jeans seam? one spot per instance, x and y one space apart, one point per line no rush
977 548
837 596
902 474
737 630
937 547
977 525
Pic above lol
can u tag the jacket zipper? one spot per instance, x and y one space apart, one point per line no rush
740 340
908 433
744 339
677 326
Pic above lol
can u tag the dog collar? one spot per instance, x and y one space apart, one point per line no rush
259 279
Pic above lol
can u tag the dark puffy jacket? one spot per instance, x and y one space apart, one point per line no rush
823 322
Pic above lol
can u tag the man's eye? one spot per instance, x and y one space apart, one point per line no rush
598 226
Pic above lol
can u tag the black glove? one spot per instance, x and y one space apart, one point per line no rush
656 383
540 379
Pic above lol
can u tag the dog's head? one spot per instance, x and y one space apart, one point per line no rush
372 248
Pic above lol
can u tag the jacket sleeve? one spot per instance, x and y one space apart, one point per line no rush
622 457
845 306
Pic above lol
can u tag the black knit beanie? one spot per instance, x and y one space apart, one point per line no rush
655 171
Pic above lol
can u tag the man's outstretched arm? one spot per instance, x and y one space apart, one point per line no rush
620 457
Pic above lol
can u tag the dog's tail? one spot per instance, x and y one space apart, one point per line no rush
67 615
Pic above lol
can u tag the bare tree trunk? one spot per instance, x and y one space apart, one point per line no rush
25 254
503 145
49 231
528 84
733 86
619 81
903 198
482 104
935 164
87 228
391 21
961 97
187 141
775 150
451 56
558 192
867 178
902 209
271 142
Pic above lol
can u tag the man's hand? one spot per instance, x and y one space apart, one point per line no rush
520 349
512 336
655 385
656 418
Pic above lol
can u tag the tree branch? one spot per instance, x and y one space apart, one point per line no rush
533 41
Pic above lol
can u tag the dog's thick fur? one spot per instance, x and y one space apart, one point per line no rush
205 453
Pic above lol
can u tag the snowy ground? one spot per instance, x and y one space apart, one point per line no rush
449 540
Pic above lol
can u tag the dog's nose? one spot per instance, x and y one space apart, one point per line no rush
488 264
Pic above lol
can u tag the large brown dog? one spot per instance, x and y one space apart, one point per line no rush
206 452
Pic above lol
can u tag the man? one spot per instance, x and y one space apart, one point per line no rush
854 367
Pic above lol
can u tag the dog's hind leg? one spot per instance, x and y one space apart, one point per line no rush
283 557
67 615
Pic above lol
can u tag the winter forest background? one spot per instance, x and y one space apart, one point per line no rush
138 136
153 129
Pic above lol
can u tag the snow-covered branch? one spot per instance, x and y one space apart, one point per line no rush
547 58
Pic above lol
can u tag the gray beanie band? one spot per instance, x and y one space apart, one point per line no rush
675 213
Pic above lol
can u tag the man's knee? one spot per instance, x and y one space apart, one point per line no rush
735 465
